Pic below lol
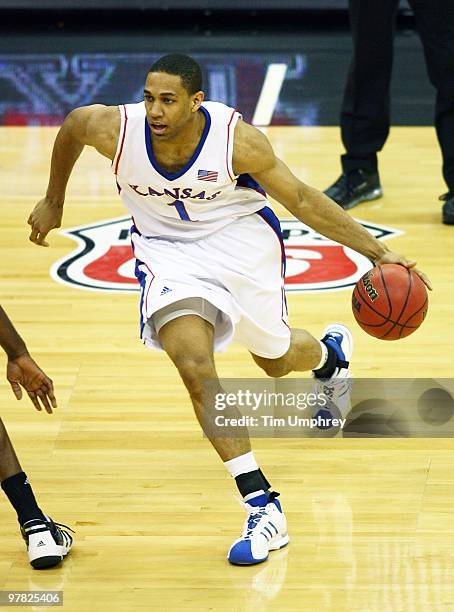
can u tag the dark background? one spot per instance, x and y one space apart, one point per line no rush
54 57
175 4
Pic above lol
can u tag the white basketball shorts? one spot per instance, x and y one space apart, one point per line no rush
239 269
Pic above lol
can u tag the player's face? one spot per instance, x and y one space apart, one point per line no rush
168 105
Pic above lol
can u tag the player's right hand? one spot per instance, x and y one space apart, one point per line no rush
396 258
45 216
25 372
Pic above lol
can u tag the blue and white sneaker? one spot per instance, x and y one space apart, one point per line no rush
340 338
337 389
265 529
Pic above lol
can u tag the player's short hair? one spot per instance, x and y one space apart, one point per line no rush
183 66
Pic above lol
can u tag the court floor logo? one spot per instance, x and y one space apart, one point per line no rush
103 260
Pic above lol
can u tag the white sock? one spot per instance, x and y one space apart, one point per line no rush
324 358
247 498
241 465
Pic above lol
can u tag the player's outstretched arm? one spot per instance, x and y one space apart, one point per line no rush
254 155
97 126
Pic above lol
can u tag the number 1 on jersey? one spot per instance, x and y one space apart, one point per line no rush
181 210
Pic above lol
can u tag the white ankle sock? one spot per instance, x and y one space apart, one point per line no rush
253 495
242 464
324 358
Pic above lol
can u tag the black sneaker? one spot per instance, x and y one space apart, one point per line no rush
47 543
448 208
355 187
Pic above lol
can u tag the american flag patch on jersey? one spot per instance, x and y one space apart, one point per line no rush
207 175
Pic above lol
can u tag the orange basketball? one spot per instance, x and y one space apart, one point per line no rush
390 302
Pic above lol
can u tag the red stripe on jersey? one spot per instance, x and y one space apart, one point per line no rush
122 139
145 301
228 139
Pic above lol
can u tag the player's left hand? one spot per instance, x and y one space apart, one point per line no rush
394 258
46 216
24 372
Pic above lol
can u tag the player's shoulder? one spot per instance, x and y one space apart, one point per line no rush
102 119
96 125
94 117
133 110
101 116
252 151
219 110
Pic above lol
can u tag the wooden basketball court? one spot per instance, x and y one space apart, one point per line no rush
124 463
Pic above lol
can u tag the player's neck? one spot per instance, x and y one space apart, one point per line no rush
188 137
174 153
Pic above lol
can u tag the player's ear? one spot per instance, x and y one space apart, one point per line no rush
197 100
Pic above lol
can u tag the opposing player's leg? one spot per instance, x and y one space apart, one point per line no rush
365 113
188 340
435 23
47 543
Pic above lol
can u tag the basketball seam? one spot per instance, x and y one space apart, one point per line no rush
386 293
370 305
415 313
386 320
360 321
410 285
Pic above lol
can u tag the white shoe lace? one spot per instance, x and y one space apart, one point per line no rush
252 520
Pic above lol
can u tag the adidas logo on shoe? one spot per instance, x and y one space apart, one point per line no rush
265 529
52 539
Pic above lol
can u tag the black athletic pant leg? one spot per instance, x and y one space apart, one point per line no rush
435 22
365 113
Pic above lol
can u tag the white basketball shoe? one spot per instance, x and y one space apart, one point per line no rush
265 529
47 542
337 389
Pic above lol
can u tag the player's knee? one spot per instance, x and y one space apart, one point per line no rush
195 369
275 367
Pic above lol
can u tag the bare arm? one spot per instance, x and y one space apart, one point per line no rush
254 155
97 126
10 341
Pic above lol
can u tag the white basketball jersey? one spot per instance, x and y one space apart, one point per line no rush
201 197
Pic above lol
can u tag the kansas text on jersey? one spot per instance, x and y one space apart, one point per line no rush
199 199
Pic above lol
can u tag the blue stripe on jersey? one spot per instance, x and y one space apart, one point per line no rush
141 277
168 175
245 180
268 215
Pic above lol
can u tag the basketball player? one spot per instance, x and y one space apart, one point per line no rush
209 253
47 543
